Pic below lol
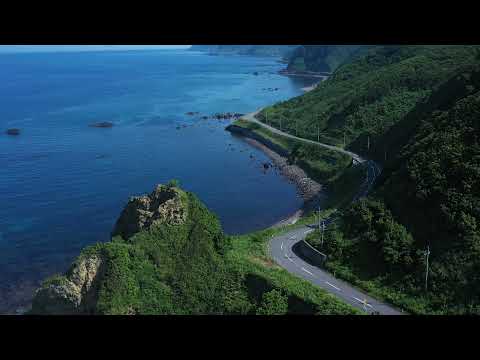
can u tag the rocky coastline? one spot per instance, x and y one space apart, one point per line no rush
309 74
308 189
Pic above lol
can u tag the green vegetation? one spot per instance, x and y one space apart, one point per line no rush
367 96
322 58
250 256
418 109
321 164
428 193
273 303
190 268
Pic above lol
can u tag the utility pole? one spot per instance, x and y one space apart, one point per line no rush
323 230
344 137
296 125
319 217
385 154
368 142
427 254
266 118
318 129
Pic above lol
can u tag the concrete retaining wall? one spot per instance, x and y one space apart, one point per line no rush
234 129
309 253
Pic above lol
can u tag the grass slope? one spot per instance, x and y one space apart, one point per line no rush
193 268
428 194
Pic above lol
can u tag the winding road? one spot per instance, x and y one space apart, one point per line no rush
282 246
251 117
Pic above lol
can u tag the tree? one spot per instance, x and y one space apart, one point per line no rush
273 303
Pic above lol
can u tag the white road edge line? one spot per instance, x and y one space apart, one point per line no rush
292 238
333 286
308 231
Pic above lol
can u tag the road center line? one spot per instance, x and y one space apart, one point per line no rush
307 271
281 246
333 286
364 302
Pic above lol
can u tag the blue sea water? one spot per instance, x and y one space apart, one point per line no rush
63 184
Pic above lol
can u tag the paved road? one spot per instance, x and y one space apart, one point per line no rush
251 117
281 245
281 252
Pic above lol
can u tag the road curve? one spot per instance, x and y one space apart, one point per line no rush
251 117
282 253
281 246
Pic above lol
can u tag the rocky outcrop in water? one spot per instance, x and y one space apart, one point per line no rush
163 205
13 132
104 124
227 115
74 293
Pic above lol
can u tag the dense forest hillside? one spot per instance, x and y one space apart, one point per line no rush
282 51
322 58
365 97
169 255
422 112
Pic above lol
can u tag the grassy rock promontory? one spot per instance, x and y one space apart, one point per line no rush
169 255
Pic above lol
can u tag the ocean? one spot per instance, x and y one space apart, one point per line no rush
63 184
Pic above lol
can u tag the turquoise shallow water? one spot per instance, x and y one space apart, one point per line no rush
63 184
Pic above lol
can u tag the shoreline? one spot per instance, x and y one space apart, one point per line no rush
309 190
313 75
311 87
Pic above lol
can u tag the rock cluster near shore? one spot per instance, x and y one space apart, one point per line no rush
227 115
309 189
13 132
217 116
76 293
103 124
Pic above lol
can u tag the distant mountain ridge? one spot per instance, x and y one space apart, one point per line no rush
323 58
300 58
283 51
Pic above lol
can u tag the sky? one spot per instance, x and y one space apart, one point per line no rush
56 48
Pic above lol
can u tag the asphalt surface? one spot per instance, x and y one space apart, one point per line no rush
281 246
282 253
251 117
